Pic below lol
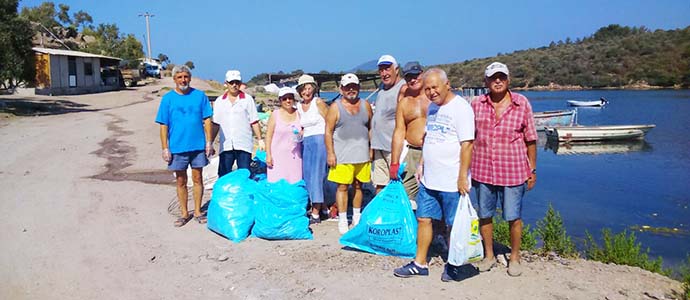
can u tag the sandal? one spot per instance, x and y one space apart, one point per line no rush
201 219
181 221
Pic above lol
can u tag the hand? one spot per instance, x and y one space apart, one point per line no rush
371 155
167 156
393 171
209 150
419 173
262 145
463 185
269 160
531 181
330 159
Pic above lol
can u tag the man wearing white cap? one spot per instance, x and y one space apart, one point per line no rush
504 161
234 113
347 147
383 121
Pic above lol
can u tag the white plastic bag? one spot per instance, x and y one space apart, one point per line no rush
465 241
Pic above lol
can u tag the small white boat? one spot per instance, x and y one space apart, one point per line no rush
597 147
597 133
554 118
596 103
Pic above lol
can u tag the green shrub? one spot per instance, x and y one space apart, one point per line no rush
502 234
685 277
622 249
553 235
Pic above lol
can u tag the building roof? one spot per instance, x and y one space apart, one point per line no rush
71 53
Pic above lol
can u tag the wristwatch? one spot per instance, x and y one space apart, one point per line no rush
534 171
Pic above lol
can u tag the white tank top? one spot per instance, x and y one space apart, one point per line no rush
311 120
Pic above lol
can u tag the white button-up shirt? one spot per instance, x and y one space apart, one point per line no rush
235 120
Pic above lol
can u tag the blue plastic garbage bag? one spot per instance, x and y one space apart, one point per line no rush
281 211
231 210
387 226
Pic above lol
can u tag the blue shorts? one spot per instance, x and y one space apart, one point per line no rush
180 161
489 195
437 205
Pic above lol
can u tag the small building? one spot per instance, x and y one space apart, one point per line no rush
66 72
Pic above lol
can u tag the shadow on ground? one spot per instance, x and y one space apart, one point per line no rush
33 107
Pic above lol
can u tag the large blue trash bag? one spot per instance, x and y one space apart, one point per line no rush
387 226
281 211
231 210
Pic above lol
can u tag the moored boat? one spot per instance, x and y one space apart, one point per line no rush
554 118
598 133
598 147
596 103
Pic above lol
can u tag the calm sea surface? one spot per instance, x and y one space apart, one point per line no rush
618 186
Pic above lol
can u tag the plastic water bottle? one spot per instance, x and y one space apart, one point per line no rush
296 137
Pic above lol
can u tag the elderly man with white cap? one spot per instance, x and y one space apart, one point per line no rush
383 121
235 115
504 161
347 147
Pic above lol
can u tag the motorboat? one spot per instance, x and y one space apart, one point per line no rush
597 133
596 103
554 118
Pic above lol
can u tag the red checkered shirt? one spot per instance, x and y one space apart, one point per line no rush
499 155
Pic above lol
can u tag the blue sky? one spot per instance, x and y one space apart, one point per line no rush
268 36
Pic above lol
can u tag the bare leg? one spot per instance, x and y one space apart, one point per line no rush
486 228
515 239
197 190
357 199
424 236
341 197
181 180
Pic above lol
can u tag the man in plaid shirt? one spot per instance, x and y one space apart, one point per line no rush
504 160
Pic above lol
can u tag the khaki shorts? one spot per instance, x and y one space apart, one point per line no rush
380 166
408 180
346 173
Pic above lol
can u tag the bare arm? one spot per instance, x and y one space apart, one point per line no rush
208 128
331 119
371 114
465 157
532 157
269 137
398 139
257 135
323 108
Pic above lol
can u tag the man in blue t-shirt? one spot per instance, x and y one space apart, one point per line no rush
184 116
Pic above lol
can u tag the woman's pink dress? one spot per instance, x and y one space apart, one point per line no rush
286 150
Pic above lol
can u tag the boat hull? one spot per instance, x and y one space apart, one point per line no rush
554 118
598 133
597 103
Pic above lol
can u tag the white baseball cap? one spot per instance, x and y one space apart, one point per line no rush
387 60
232 75
348 79
286 90
494 68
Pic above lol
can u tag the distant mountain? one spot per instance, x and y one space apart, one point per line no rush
614 56
365 67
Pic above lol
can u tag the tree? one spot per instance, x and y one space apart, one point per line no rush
63 14
83 19
44 14
163 58
189 64
16 56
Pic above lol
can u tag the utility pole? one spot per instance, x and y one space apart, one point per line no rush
148 32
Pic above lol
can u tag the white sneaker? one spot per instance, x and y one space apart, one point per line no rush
342 227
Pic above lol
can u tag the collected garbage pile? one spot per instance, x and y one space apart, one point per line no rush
244 203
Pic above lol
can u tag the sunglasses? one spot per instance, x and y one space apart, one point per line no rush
234 82
286 97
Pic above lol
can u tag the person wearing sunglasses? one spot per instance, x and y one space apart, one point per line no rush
235 117
284 140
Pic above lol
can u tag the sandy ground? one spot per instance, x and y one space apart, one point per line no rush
85 198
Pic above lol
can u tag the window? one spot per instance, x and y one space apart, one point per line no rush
88 69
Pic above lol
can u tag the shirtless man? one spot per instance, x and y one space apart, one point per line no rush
410 122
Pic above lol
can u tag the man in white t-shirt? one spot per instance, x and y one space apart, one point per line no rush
444 167
234 113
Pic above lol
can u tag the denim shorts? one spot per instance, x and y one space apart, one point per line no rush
489 195
437 205
180 161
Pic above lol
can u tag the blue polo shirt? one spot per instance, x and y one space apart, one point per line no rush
184 116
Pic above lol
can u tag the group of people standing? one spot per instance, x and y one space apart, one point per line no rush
450 147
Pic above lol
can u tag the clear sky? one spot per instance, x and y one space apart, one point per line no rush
256 36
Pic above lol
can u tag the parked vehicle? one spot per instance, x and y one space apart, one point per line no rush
130 77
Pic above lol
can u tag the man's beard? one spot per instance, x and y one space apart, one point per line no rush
183 88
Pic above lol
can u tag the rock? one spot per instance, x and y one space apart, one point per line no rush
654 295
223 257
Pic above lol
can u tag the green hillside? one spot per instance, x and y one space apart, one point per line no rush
614 56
